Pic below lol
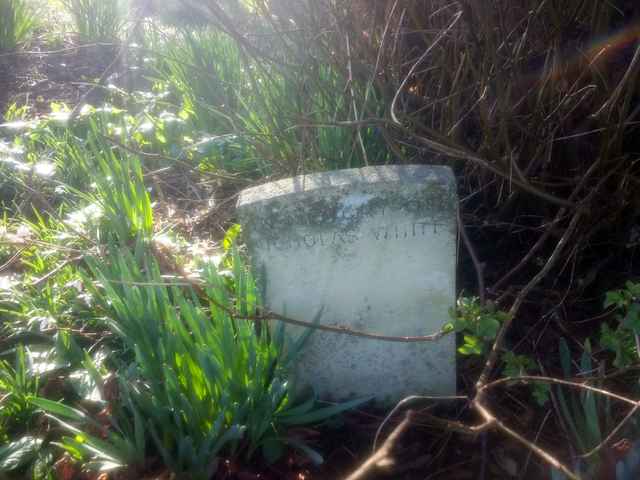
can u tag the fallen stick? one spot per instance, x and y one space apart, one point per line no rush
382 456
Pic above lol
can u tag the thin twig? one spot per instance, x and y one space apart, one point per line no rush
354 105
455 151
14 258
378 57
513 311
403 403
557 381
544 455
532 251
56 52
535 440
478 265
342 329
53 272
383 455
612 434
418 62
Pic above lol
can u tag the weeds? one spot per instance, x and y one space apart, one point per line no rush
205 382
17 21
623 340
17 386
96 20
587 417
478 323
265 117
197 384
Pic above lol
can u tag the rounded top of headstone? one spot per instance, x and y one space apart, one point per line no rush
404 174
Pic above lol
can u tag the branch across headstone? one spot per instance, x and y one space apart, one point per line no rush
375 249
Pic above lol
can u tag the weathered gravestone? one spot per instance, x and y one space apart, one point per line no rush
375 248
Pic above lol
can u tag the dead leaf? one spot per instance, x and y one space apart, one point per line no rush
65 468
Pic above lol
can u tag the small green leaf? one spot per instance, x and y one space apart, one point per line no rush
230 237
541 393
614 297
488 328
323 413
633 288
632 318
471 346
448 328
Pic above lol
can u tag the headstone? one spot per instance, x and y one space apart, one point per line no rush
374 249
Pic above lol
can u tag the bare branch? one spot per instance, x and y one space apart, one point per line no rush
544 455
383 454
557 381
555 256
613 433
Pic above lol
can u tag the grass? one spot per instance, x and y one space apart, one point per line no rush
280 119
17 21
215 384
96 20
198 383
17 385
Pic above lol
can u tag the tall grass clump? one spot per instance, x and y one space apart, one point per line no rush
206 383
284 118
16 23
106 182
96 20
17 385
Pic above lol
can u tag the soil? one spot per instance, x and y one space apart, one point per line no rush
36 78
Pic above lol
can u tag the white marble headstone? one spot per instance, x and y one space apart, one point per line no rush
375 248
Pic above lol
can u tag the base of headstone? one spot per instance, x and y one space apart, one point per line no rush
375 250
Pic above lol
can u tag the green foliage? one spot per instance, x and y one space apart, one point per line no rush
623 339
478 323
118 206
204 381
15 112
587 416
122 444
19 453
16 23
95 20
17 386
196 381
518 365
253 110
230 237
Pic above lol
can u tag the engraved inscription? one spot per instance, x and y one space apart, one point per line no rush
386 232
398 232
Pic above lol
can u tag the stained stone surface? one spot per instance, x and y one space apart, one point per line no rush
375 249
